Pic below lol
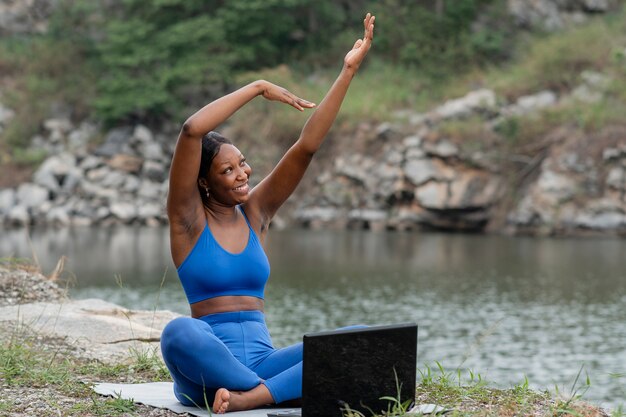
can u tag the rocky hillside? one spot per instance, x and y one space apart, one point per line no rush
403 174
413 171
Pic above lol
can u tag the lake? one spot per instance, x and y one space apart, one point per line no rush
507 308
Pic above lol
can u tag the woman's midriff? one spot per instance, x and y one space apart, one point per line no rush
225 304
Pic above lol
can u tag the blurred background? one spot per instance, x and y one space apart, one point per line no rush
474 181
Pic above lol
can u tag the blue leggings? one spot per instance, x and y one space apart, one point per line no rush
228 350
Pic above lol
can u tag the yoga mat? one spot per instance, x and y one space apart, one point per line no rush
161 395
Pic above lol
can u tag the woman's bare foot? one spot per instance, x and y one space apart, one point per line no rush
226 400
222 401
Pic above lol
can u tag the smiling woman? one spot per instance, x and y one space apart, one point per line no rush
218 224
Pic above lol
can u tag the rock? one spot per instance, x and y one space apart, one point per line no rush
58 125
80 138
92 190
58 216
31 195
115 142
415 153
419 171
125 163
152 151
472 191
532 103
102 330
602 221
90 162
474 101
311 214
595 5
142 134
25 16
368 218
112 180
8 199
443 149
149 190
384 130
355 167
102 213
610 154
154 171
535 13
131 184
18 216
433 195
555 186
54 172
393 155
616 178
6 114
412 142
124 211
149 210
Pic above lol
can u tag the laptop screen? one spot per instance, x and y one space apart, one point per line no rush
354 368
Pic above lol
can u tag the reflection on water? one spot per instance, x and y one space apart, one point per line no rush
504 307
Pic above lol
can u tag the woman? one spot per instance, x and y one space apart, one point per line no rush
223 353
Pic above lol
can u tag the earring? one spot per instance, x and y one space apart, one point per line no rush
207 192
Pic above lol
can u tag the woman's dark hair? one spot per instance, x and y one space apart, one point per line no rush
211 144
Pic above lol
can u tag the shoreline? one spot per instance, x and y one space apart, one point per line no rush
93 341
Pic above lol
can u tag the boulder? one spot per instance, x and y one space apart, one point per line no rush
8 199
98 329
532 103
116 142
474 101
149 190
433 195
56 171
18 216
6 114
420 171
154 171
616 178
32 195
555 186
442 149
79 138
125 163
58 216
124 211
141 134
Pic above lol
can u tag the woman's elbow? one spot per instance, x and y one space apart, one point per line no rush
190 129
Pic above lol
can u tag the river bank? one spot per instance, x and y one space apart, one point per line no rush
54 348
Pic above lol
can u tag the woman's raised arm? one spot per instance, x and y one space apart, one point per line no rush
272 192
184 205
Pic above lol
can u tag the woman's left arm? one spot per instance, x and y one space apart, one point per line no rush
274 190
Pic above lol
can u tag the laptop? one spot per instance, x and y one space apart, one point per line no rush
353 368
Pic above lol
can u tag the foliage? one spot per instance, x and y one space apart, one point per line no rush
142 60
438 36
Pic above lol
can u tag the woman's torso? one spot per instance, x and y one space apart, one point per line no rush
225 268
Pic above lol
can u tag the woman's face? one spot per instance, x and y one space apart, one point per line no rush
228 176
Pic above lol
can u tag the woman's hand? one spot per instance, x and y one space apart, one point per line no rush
354 58
273 92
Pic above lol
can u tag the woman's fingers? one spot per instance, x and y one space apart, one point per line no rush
297 102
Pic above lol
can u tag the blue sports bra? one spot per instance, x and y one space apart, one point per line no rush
211 271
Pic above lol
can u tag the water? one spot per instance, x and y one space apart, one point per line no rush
507 308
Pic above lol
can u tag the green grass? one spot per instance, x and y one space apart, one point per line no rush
471 395
26 361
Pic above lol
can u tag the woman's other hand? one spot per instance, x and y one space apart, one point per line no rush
354 58
273 92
